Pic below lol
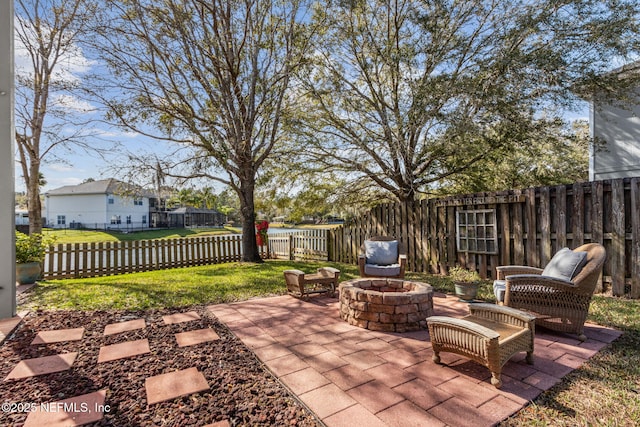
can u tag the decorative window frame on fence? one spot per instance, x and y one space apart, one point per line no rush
476 231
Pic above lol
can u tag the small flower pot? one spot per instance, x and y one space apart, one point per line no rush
28 273
466 291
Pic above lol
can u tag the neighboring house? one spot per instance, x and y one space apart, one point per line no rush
616 132
22 217
104 204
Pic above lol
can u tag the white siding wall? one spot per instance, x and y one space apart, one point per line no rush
124 206
619 128
94 210
88 209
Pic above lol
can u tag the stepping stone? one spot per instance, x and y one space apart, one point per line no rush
42 365
131 325
224 423
196 337
75 411
174 384
60 335
123 350
180 317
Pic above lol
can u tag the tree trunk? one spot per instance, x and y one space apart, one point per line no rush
250 251
33 199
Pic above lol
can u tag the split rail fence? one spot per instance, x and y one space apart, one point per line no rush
77 260
511 227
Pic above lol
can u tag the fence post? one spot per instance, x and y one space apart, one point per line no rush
291 248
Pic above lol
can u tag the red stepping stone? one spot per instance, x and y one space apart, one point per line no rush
131 325
196 337
42 365
122 350
174 384
180 317
60 335
75 411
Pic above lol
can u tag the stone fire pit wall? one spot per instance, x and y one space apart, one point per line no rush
389 305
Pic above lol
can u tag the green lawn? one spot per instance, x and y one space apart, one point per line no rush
90 236
179 287
172 288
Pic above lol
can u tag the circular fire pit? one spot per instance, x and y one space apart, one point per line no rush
389 305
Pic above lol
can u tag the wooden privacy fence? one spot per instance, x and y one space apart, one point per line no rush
64 261
484 230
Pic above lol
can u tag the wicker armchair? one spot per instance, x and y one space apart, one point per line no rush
382 256
558 304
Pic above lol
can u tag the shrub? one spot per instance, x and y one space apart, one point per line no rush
459 274
31 248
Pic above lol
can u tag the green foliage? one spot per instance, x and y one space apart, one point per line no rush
557 155
32 248
459 274
404 97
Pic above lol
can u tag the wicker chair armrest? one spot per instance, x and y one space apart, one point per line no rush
504 315
328 271
507 270
499 313
464 325
293 273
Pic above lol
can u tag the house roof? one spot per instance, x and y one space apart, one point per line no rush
103 186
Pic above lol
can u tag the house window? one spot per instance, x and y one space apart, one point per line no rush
62 219
128 219
116 219
138 202
144 219
111 201
477 231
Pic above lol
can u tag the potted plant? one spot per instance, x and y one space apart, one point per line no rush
30 251
466 283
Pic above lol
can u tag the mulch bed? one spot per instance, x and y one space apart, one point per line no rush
241 390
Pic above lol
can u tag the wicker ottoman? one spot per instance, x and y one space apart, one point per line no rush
490 335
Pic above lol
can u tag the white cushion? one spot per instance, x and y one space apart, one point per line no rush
382 270
381 252
499 289
565 264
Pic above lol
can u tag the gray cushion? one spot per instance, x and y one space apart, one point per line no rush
382 270
565 264
381 252
499 288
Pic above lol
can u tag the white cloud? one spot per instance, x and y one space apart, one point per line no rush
70 102
71 64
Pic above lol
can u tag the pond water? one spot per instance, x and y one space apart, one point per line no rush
274 230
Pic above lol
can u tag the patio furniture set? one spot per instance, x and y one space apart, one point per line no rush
556 297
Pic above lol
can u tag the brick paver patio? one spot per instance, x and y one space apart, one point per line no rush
346 375
352 376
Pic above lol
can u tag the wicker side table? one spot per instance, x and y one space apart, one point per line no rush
325 280
490 335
